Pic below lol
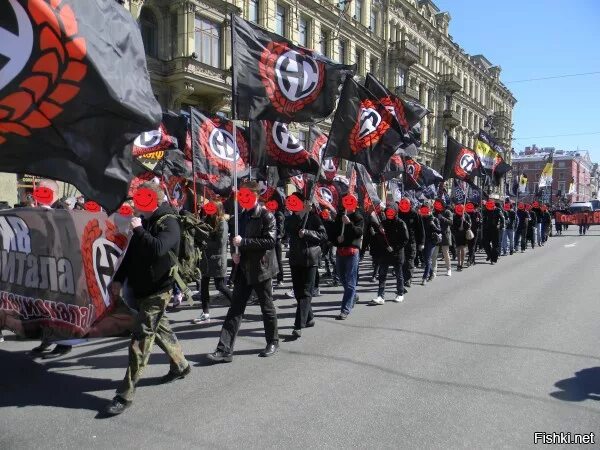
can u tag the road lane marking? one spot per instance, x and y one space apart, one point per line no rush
571 245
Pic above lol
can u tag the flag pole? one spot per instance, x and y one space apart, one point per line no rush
234 117
314 186
194 170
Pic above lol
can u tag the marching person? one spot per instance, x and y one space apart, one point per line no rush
546 223
391 238
327 248
348 233
433 237
304 254
444 217
147 268
475 218
214 258
522 227
536 208
416 241
256 267
461 225
532 225
493 223
511 223
279 220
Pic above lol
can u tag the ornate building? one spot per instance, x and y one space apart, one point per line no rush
403 42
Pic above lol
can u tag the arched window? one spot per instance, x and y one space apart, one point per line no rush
149 30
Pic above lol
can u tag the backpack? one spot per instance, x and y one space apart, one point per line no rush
185 266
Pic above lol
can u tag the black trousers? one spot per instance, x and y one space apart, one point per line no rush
239 300
383 272
409 261
491 244
521 236
303 280
278 252
204 291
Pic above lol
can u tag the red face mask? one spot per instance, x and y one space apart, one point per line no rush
470 207
521 206
349 203
390 213
91 206
210 209
527 207
459 210
145 200
325 214
294 204
490 205
438 206
246 198
272 206
507 207
126 210
535 205
43 195
424 211
544 208
404 205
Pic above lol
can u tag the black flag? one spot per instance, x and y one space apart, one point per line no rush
461 162
276 80
317 143
362 129
419 176
74 93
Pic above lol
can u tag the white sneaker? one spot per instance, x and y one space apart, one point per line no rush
378 301
204 318
399 298
449 272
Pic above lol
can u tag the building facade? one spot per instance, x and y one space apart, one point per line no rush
568 165
404 43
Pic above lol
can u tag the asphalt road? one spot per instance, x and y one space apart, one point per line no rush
480 360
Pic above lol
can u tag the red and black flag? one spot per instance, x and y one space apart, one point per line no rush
362 129
276 80
490 154
367 192
274 145
317 143
406 113
419 176
461 162
215 151
74 93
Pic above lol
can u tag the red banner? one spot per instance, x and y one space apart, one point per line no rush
590 218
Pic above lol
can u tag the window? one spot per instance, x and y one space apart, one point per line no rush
359 61
253 10
373 66
561 164
149 28
324 42
431 99
174 35
358 10
303 30
448 102
373 23
280 20
561 176
400 76
208 42
342 45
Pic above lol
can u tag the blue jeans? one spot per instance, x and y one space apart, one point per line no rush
427 253
347 268
538 233
508 241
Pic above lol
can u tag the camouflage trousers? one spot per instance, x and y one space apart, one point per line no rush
151 325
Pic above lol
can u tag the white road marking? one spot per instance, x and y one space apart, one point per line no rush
571 245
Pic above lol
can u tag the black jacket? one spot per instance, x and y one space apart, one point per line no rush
431 225
511 221
306 251
414 223
258 261
533 218
279 220
523 219
147 263
352 232
475 221
214 256
390 244
493 221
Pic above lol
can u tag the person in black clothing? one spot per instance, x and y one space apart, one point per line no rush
372 224
433 237
304 255
328 247
522 227
461 223
416 241
390 239
493 223
511 222
279 221
532 225
256 267
475 219
444 217
147 268
546 223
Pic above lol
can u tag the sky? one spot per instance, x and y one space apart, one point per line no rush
536 39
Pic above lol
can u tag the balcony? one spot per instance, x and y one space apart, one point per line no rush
450 82
451 119
502 117
405 52
407 91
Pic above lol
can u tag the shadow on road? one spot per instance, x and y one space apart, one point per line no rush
585 385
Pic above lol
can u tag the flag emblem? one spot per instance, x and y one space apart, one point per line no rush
465 164
216 138
284 147
370 126
292 77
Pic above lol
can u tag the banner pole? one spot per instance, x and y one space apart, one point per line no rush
194 170
233 119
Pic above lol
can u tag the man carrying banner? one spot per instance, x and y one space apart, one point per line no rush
147 267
